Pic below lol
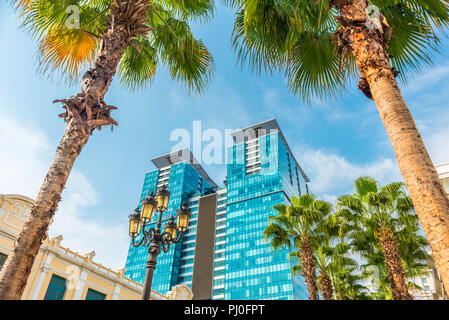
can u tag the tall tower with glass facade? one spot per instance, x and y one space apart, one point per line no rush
223 254
262 172
185 179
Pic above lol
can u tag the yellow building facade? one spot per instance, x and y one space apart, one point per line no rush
59 273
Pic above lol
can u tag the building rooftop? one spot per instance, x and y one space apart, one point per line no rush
269 126
182 155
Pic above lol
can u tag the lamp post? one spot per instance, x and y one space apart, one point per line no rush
154 238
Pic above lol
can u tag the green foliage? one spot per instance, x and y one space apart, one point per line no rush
294 223
372 210
170 41
345 240
297 223
187 59
138 64
293 37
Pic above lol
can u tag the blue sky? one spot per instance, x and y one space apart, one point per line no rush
334 142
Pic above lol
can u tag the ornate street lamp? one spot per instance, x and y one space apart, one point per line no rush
154 238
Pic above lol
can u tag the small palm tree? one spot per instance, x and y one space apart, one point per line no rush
349 285
322 45
132 37
412 250
334 261
383 218
296 224
323 262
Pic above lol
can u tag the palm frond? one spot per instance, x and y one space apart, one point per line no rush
66 51
68 46
202 10
187 58
138 64
292 37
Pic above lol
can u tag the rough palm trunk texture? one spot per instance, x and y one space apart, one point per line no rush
418 171
326 284
308 267
84 112
394 266
420 176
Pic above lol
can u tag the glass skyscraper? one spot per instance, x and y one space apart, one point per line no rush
262 172
228 258
184 178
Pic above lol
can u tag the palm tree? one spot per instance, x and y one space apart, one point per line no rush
133 36
349 285
411 247
384 229
296 223
323 261
321 45
335 263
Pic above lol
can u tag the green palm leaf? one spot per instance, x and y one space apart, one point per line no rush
169 41
138 64
187 59
293 37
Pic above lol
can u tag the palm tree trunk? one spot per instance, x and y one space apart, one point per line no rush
309 268
393 261
378 82
326 285
85 112
17 267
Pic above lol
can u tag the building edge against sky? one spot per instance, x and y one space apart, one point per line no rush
226 228
59 273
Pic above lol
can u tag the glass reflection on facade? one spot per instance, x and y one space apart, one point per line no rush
261 172
184 182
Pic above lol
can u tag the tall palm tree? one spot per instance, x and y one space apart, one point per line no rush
349 285
411 248
296 224
323 254
133 36
333 258
321 45
383 217
323 262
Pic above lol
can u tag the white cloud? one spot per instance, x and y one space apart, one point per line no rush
84 234
428 98
435 133
438 146
332 175
426 82
25 156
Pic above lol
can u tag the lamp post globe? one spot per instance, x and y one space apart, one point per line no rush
183 217
162 197
170 228
148 208
134 223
